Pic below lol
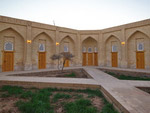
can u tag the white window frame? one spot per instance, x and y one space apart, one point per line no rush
95 49
66 49
138 47
84 49
114 48
43 48
11 45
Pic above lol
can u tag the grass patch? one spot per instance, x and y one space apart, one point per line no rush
12 90
108 108
70 75
124 77
59 96
78 96
80 106
38 100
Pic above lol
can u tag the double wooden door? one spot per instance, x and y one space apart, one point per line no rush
90 59
140 62
8 61
42 60
114 59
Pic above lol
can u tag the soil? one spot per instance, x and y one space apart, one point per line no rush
146 89
7 104
79 73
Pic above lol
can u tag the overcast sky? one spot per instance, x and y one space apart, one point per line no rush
78 14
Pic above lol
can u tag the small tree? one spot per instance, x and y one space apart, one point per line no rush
56 57
66 56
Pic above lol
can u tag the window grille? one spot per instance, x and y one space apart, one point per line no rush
89 50
140 47
84 49
114 48
8 46
65 48
41 47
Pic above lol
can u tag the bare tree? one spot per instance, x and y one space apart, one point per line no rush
66 56
56 57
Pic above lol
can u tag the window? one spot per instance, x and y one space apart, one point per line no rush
95 50
84 49
140 47
41 47
89 50
114 48
65 48
8 46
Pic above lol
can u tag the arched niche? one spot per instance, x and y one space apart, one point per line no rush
112 51
133 41
49 48
89 52
18 43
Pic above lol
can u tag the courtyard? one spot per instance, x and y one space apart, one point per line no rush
127 96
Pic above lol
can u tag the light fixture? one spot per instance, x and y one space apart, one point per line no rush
123 43
29 41
57 43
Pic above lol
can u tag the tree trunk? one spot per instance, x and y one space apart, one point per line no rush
63 64
58 65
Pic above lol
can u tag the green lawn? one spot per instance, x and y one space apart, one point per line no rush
124 77
46 100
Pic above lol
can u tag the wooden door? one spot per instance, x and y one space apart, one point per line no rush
8 61
114 59
66 63
90 59
84 59
42 60
140 63
95 59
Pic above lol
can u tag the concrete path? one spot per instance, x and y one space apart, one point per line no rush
123 93
127 97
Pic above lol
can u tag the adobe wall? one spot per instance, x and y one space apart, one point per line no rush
26 54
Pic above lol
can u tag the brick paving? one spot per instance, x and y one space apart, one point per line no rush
123 93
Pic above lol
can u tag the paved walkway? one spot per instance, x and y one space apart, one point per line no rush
123 93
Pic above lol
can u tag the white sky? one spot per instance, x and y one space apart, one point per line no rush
78 14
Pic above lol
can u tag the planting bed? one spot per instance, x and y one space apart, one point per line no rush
74 73
126 75
146 89
14 99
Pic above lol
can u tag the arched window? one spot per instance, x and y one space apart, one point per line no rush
8 46
41 47
84 49
140 47
89 50
114 48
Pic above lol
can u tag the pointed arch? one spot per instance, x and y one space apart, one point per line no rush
69 37
109 37
11 28
136 32
44 33
89 38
